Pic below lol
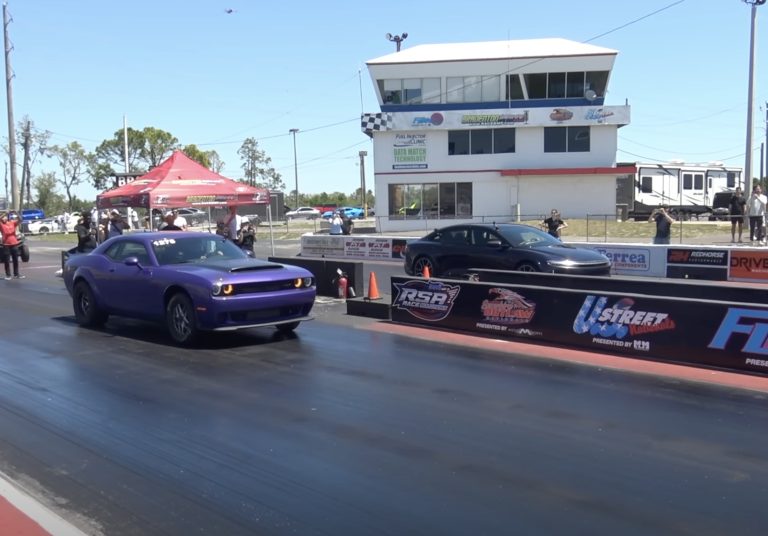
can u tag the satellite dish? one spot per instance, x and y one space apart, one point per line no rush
590 95
389 36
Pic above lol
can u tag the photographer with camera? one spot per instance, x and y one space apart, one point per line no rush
246 236
663 224
9 229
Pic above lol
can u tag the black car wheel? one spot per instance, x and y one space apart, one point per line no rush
423 262
287 328
24 250
87 311
527 267
180 319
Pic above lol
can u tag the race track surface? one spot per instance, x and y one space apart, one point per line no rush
354 427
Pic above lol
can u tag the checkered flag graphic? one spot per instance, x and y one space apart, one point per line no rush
375 122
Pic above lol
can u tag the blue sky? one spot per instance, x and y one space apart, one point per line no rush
214 78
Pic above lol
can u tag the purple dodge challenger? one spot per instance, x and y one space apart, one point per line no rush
190 281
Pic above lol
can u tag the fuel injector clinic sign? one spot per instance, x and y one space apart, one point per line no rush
431 301
746 327
611 325
410 151
505 308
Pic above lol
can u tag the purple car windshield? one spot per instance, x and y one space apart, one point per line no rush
192 249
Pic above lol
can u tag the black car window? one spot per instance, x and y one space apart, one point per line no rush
481 236
123 249
455 236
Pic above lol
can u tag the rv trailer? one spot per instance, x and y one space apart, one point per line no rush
687 189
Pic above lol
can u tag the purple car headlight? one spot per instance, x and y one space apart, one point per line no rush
303 282
222 289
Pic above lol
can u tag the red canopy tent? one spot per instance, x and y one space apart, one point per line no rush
182 182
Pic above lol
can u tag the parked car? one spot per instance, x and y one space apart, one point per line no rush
351 212
452 251
30 214
194 216
721 206
41 226
309 213
191 282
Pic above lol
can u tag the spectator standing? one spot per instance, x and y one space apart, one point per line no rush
346 223
337 224
179 221
663 225
737 208
9 228
116 224
246 236
554 223
233 223
756 211
86 234
133 218
169 223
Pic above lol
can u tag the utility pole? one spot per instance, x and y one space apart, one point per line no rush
362 155
15 200
295 168
748 174
25 179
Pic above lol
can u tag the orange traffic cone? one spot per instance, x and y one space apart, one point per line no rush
425 273
373 288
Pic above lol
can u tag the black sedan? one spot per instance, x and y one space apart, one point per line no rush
452 251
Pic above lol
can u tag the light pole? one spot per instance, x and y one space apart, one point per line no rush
295 170
750 93
397 39
362 155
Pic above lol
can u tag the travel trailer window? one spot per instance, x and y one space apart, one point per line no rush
646 184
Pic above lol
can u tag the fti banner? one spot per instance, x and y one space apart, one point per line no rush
730 336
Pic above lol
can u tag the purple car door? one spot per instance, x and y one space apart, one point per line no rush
124 287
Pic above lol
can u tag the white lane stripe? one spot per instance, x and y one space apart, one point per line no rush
39 513
46 266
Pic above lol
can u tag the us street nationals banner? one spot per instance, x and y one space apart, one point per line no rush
661 328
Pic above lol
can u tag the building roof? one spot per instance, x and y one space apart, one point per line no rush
492 50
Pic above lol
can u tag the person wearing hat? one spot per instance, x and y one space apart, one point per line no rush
86 234
116 224
9 228
337 224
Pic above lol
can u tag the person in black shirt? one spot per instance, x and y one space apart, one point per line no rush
554 223
737 208
663 225
246 236
86 234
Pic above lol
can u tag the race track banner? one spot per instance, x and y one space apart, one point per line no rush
748 265
697 263
719 334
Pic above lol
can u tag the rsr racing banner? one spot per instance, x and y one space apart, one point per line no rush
719 334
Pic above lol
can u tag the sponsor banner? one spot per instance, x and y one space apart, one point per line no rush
629 259
322 246
409 151
697 257
511 117
661 328
355 246
748 265
398 248
709 273
379 248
